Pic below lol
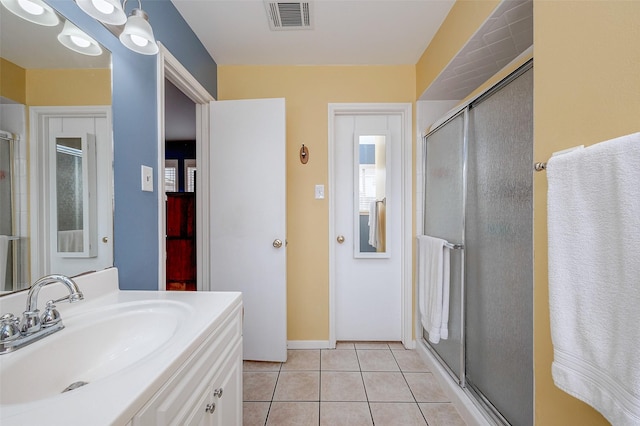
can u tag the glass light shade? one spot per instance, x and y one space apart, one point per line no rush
77 40
106 11
138 34
35 11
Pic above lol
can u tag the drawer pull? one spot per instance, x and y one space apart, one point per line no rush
210 408
217 393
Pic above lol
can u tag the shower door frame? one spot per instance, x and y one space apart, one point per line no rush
464 112
12 254
476 396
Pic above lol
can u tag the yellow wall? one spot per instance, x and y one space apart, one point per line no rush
586 87
47 87
463 20
12 81
308 90
68 87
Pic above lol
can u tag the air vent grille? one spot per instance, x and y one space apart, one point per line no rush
289 15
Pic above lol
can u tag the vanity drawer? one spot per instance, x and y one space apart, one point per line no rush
183 392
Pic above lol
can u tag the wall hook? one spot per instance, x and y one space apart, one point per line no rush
304 154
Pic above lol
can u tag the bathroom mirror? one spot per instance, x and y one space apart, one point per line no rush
370 196
39 70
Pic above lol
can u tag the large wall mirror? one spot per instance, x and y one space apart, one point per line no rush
56 178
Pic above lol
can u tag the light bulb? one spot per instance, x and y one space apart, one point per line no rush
140 41
31 7
79 41
103 6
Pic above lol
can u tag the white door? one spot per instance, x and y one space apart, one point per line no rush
248 222
77 122
368 225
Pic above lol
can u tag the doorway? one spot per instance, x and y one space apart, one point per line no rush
369 222
173 72
180 180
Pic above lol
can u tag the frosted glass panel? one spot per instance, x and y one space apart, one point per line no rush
444 219
499 250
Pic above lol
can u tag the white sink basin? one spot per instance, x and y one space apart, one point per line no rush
93 345
124 344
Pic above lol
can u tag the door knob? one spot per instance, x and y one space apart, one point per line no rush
340 239
277 243
105 239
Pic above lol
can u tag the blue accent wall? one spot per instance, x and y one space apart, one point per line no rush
135 130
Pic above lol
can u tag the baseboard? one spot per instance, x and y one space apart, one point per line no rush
467 408
308 344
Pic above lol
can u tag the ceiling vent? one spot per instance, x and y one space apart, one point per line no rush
289 15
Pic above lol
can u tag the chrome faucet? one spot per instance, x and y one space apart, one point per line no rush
16 333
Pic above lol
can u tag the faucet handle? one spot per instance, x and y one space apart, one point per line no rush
30 322
9 328
50 316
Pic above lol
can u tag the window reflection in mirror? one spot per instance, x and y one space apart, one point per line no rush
371 197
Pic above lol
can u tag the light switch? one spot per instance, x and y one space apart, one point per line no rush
147 178
319 192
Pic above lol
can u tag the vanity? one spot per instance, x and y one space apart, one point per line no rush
127 358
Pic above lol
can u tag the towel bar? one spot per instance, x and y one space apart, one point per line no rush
454 246
538 167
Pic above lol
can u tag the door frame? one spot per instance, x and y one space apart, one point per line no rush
170 68
404 110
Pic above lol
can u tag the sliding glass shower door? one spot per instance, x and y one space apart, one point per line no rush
479 192
444 202
6 214
499 239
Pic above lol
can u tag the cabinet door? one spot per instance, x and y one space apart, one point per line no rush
221 405
227 390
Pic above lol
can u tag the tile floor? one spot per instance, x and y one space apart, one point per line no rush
355 384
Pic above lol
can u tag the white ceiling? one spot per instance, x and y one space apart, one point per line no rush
345 32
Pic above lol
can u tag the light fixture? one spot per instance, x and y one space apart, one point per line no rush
77 40
35 11
138 34
107 11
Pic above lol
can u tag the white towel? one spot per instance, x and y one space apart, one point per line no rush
4 258
433 286
373 225
70 241
594 275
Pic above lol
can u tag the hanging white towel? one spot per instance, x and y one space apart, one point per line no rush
594 275
70 241
373 224
433 286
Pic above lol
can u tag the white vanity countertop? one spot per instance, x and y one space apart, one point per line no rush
114 399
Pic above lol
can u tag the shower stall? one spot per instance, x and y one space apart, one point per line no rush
478 193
